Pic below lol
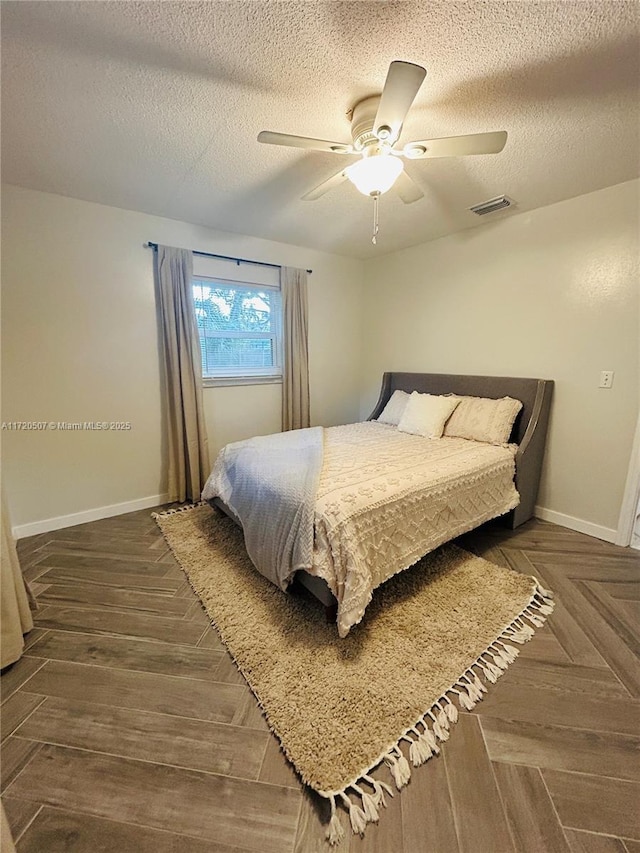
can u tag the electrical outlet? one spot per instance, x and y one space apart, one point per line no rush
606 378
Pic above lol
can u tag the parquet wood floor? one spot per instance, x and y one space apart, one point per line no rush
127 727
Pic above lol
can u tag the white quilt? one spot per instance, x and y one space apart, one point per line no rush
270 482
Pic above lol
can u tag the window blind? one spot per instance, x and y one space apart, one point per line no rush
240 328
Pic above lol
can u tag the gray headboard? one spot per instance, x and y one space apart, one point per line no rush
529 431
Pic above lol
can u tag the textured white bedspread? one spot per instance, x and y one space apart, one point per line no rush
386 498
371 506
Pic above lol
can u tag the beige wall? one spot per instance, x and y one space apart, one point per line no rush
79 343
551 293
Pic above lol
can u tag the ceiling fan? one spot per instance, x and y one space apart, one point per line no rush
376 125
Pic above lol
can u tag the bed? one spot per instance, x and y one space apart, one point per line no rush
380 498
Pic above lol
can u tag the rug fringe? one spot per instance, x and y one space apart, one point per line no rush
434 725
174 510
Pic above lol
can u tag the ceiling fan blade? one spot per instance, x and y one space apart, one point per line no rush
325 186
272 138
407 188
457 146
400 88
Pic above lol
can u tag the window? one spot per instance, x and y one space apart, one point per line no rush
240 330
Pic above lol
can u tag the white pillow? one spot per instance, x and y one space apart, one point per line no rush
484 419
426 414
392 412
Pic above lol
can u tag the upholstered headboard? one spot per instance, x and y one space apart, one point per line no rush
529 430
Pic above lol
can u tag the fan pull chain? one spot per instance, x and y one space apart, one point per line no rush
376 227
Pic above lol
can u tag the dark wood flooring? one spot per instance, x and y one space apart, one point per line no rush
126 726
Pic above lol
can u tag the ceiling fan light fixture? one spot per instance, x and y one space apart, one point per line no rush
375 175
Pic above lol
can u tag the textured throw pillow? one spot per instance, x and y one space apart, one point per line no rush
425 414
483 419
392 412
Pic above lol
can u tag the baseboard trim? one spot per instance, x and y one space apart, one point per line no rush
608 534
21 531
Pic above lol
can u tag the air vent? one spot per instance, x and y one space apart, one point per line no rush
493 205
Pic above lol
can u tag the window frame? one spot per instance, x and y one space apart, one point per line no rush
242 376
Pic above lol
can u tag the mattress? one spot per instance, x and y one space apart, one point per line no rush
385 498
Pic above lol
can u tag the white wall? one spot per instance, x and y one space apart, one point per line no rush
552 293
79 343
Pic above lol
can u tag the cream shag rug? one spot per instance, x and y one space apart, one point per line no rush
431 639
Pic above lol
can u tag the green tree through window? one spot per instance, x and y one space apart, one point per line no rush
239 327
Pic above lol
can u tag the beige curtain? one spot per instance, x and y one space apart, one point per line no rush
295 335
187 438
15 615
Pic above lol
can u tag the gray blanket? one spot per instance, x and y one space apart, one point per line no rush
270 483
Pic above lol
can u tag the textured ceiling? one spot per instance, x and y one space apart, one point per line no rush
156 106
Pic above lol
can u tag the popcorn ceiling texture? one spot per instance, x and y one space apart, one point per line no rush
336 705
156 107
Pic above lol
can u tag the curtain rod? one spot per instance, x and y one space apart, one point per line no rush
238 261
